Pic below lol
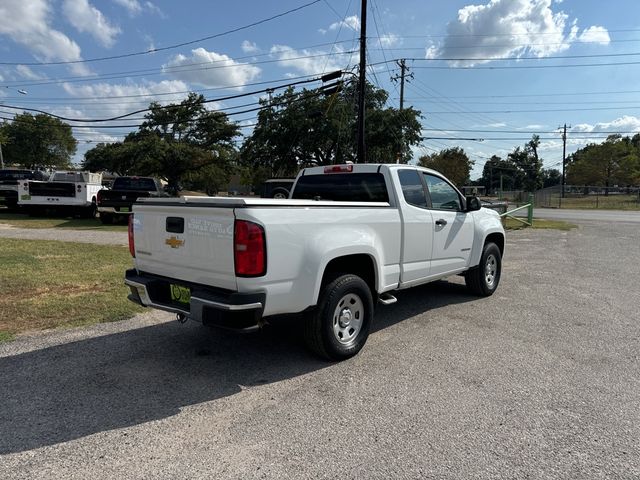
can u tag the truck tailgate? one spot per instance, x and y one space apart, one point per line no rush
190 243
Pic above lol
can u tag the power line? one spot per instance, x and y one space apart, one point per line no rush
169 47
129 114
252 84
118 76
543 110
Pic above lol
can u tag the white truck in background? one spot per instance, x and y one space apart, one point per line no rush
347 238
70 192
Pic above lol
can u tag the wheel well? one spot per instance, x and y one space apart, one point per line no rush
361 265
498 239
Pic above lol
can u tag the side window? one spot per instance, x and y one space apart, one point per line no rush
443 195
412 188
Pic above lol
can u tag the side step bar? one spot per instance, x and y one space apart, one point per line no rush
387 299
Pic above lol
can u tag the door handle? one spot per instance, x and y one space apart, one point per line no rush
441 223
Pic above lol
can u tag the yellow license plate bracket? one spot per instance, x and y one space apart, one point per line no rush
180 294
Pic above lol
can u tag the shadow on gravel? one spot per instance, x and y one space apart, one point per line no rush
69 391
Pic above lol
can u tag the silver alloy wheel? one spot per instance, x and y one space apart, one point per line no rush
280 196
347 318
490 270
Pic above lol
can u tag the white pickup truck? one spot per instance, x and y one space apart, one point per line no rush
347 238
71 192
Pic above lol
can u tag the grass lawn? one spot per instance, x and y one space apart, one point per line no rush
48 284
24 221
539 223
600 202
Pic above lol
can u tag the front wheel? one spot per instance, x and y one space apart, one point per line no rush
484 279
341 322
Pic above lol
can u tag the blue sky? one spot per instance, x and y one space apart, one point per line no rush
486 75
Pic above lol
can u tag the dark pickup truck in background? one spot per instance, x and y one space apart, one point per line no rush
116 203
9 180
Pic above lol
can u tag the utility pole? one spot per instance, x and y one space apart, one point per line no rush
1 157
361 158
564 154
403 69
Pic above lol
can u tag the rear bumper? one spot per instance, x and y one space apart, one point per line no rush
208 305
113 210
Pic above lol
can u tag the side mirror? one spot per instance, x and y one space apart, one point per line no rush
473 204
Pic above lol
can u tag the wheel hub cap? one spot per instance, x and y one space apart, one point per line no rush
490 270
348 317
345 318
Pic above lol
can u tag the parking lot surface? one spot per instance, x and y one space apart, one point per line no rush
541 380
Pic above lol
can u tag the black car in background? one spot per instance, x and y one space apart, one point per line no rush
276 188
9 179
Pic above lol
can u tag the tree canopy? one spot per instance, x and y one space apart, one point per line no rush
36 141
299 129
180 143
613 162
453 163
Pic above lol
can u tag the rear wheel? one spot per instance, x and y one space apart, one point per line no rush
280 194
340 325
484 279
90 211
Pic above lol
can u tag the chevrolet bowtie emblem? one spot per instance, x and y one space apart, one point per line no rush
174 242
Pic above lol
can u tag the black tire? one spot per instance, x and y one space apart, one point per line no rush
484 279
322 332
106 218
280 193
90 212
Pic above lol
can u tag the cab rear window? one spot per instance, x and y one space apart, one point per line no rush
342 187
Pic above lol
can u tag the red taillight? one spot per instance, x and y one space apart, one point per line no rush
250 250
338 169
26 185
99 197
79 188
132 245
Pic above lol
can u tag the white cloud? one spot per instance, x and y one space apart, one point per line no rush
221 71
497 125
307 62
533 127
352 23
249 47
28 23
26 72
153 8
136 96
390 40
88 19
508 28
135 7
132 6
595 34
626 123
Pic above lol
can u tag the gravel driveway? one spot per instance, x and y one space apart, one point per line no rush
541 380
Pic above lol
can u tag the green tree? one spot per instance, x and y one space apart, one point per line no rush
498 171
616 161
528 165
551 177
299 129
34 141
453 163
180 143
